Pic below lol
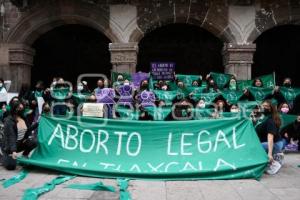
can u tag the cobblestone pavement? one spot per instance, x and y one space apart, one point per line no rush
284 185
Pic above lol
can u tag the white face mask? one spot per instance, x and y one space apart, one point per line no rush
79 87
126 83
234 110
1 84
201 105
164 87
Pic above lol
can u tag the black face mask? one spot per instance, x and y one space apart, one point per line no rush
20 112
287 84
39 89
266 111
145 85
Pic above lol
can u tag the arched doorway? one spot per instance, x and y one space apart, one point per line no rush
68 51
193 49
278 50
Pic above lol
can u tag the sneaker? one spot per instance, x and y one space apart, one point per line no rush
279 157
273 168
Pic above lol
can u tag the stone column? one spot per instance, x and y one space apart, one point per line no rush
17 60
238 59
124 56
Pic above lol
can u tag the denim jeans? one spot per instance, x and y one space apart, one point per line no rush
277 147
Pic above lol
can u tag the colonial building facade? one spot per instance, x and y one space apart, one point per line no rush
125 22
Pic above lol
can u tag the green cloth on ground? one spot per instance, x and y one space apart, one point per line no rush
15 179
34 193
124 194
99 186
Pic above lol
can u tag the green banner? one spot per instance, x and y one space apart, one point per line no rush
196 149
220 79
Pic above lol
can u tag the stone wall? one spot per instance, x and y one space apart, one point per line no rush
125 22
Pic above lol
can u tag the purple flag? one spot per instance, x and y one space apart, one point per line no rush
126 96
138 77
105 95
147 98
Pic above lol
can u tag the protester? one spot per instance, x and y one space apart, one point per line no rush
269 135
291 134
17 135
211 86
284 108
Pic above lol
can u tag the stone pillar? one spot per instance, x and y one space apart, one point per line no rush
238 59
124 56
17 60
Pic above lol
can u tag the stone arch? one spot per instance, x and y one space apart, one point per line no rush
219 29
263 25
34 24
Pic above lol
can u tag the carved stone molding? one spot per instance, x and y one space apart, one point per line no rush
122 53
21 54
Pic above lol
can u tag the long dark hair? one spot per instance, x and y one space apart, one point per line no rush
274 113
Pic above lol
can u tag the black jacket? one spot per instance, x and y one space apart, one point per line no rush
11 134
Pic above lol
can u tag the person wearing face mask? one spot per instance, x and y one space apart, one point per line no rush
211 86
234 108
3 93
291 134
201 104
287 82
125 94
119 82
17 136
269 135
284 108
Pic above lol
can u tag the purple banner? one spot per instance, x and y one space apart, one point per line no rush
162 70
138 77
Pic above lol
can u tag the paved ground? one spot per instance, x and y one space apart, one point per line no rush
285 185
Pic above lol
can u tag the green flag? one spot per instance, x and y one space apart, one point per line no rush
244 84
268 80
127 113
201 113
289 93
220 79
167 96
232 96
260 93
188 79
176 150
80 97
159 113
208 97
